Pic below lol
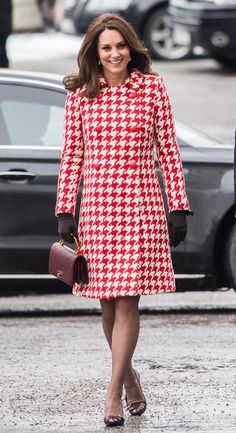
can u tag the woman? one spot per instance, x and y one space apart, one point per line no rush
118 112
5 30
46 8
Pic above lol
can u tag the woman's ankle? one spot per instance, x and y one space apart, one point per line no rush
129 378
114 391
113 403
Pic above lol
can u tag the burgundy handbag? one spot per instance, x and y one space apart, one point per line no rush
68 265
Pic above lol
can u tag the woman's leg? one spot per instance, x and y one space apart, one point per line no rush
123 341
108 319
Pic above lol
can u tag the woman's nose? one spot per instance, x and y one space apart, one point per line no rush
115 53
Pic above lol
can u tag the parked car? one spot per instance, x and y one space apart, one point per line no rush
31 135
211 23
149 19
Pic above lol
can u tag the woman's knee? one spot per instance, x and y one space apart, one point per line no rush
108 309
127 305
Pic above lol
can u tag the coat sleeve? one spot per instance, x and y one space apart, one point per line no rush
168 153
72 157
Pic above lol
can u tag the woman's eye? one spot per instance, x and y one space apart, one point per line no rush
119 47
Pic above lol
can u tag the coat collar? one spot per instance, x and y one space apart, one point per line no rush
133 82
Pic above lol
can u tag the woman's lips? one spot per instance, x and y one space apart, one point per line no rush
115 62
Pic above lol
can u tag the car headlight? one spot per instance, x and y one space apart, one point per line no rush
102 5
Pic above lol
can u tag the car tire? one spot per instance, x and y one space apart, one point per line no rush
160 38
230 257
226 60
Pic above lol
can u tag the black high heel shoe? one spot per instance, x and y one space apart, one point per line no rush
136 408
114 420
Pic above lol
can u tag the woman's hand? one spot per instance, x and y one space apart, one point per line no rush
71 82
177 226
67 227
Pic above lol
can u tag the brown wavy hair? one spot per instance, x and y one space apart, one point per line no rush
87 78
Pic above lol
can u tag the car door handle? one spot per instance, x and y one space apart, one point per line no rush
17 175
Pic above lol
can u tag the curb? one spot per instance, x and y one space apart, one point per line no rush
97 312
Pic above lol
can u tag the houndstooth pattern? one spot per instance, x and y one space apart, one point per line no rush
122 226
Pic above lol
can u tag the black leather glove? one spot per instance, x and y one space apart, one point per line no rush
67 227
177 226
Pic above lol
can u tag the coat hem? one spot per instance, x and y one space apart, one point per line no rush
112 296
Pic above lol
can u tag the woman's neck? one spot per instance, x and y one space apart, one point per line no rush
115 80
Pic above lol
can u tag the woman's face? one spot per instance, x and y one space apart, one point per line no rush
113 52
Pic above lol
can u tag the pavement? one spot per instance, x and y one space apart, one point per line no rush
44 52
55 371
67 304
44 47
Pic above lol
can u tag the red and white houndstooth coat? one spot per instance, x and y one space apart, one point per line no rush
122 226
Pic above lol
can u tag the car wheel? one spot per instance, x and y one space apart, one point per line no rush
226 60
163 41
230 258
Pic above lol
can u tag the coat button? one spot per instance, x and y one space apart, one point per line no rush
132 95
96 166
132 164
133 129
98 129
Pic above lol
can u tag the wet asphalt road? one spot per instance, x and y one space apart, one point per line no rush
54 373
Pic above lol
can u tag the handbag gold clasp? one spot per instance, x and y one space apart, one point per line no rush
76 241
59 274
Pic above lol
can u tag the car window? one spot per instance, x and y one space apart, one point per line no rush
31 116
